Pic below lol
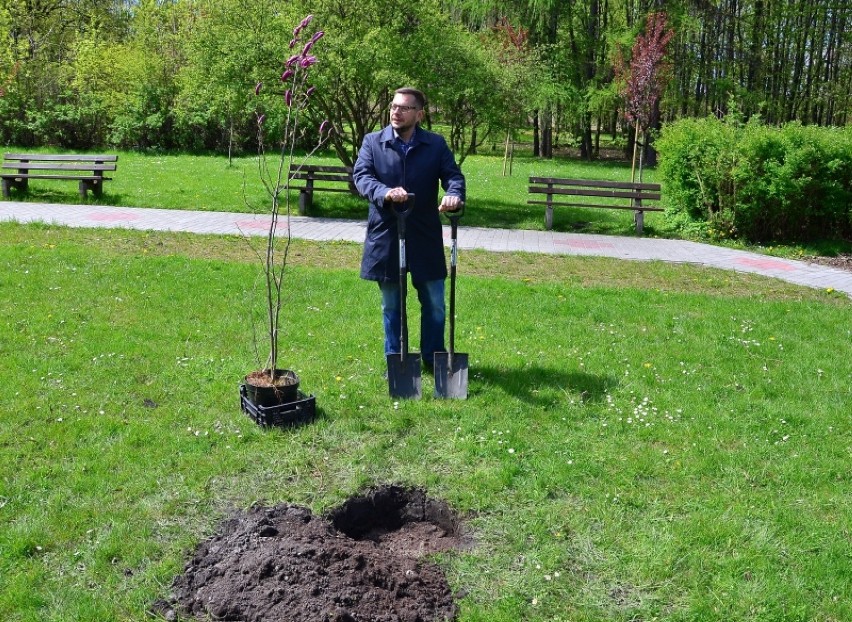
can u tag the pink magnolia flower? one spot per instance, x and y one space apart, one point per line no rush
307 61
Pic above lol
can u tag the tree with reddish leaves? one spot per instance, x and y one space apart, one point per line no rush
514 56
643 80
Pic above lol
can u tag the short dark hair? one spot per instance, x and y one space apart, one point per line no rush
415 93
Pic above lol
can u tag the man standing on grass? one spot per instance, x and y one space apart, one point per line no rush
399 159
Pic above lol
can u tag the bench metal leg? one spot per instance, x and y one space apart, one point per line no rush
306 201
21 185
639 218
548 217
95 186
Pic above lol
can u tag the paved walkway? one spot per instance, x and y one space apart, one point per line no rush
499 240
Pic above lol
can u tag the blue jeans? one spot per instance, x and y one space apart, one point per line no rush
432 317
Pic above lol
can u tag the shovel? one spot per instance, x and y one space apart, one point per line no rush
404 368
451 366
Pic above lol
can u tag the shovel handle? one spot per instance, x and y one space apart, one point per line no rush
454 215
402 213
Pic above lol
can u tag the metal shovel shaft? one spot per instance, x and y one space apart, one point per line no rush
404 379
451 367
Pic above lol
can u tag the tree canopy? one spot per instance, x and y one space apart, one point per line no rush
180 73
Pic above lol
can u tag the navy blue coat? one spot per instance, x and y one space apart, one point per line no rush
381 166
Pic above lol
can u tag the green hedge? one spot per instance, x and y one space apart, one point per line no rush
756 182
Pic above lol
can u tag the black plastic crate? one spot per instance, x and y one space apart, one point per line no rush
298 412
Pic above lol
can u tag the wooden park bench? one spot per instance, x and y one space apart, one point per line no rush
320 179
591 193
87 170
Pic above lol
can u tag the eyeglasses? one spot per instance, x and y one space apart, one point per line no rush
398 108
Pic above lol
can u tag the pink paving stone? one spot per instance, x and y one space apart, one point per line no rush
252 224
111 217
765 264
583 244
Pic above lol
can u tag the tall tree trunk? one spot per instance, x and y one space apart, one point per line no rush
586 146
547 133
536 134
648 144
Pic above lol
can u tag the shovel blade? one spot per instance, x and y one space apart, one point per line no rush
404 376
451 379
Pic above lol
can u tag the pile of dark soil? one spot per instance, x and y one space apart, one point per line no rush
361 562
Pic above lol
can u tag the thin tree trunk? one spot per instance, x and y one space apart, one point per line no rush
536 137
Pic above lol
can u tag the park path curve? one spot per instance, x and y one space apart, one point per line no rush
497 240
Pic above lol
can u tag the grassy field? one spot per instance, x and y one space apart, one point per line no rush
642 441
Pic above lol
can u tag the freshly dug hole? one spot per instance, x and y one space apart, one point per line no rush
361 563
405 521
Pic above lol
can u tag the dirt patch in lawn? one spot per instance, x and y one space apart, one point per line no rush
362 561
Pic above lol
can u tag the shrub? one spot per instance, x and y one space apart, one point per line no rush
758 183
696 165
67 122
794 183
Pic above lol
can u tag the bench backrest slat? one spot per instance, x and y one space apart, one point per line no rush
44 157
591 192
320 177
310 168
57 166
594 183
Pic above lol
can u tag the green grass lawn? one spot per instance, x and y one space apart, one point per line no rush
642 441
